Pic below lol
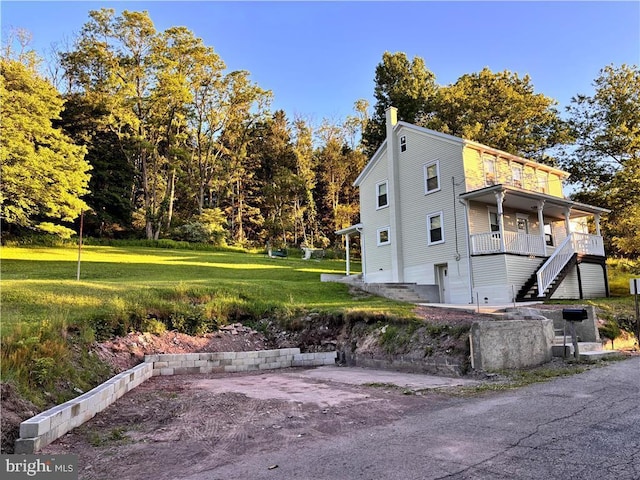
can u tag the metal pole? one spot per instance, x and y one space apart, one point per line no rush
80 243
635 289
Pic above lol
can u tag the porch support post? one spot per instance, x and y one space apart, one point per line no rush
541 226
567 225
347 255
499 201
597 219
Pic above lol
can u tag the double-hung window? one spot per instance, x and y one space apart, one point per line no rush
516 175
432 177
543 183
489 171
382 196
493 221
435 229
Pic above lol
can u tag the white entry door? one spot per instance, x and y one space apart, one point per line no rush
442 276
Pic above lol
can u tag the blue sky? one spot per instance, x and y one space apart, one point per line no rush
318 58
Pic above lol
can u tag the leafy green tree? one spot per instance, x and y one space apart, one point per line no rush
44 174
305 209
606 127
407 85
605 159
500 110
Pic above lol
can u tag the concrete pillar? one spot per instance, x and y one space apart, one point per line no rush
499 202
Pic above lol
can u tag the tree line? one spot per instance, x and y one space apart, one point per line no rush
151 136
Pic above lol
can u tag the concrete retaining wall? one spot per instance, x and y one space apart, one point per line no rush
501 344
175 364
587 330
39 431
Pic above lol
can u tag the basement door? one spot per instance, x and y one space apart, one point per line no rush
442 276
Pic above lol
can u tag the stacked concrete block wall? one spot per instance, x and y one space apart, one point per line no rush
218 362
39 431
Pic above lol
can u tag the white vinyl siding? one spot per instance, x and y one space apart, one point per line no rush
378 260
424 150
568 288
592 276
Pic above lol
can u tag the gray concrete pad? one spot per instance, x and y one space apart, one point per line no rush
362 376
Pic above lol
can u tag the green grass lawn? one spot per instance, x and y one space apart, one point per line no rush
49 318
40 284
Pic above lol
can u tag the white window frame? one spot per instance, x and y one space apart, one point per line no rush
525 217
403 143
425 168
429 217
386 183
542 179
379 231
517 167
492 161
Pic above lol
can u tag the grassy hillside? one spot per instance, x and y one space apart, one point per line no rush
49 318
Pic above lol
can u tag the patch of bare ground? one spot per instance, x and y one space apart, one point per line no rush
170 427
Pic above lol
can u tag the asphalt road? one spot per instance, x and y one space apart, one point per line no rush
582 427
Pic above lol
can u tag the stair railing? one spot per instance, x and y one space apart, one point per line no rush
554 265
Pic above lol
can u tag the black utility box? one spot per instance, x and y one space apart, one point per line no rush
574 314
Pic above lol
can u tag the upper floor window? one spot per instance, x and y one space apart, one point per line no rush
432 177
383 236
382 197
543 182
490 171
435 232
516 175
403 144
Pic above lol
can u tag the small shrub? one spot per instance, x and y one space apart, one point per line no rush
153 326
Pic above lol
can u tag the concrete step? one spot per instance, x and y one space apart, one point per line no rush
583 347
594 356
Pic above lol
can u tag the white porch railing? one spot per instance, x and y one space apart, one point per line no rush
554 264
520 243
581 243
586 244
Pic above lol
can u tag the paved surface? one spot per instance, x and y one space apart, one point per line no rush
363 376
581 427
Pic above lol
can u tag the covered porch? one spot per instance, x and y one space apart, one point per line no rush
347 233
539 223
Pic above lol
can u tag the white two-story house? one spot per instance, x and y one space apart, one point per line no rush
472 224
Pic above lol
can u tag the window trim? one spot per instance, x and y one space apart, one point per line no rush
379 231
403 143
429 217
517 167
378 206
425 168
493 162
542 182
